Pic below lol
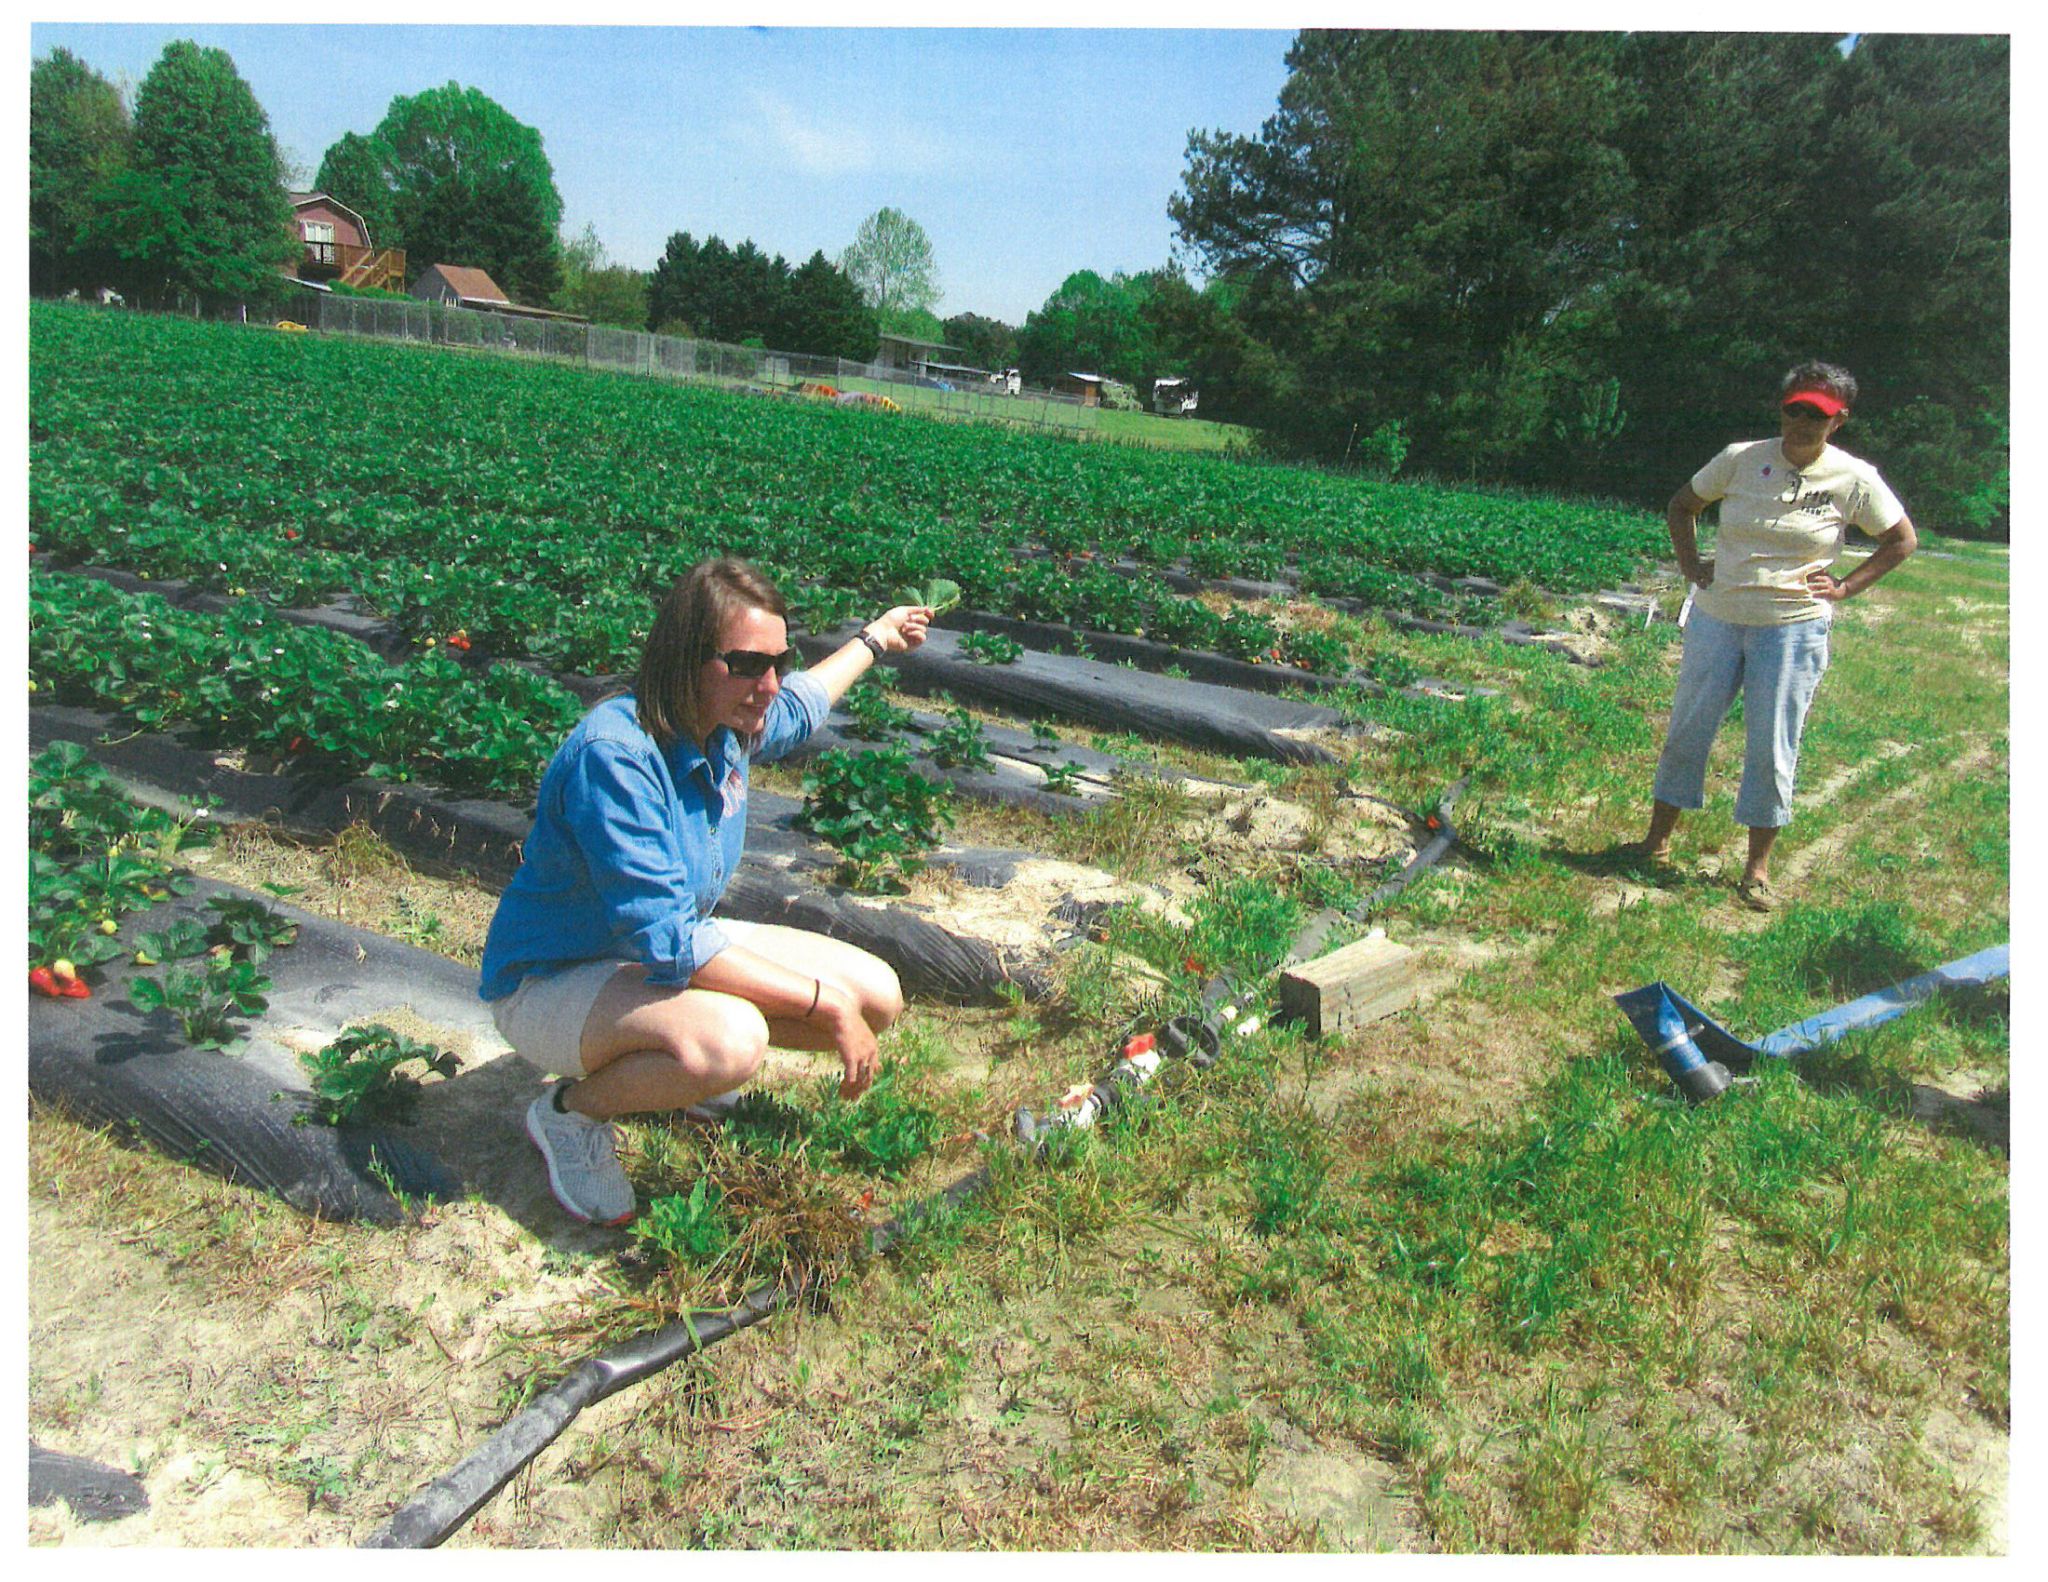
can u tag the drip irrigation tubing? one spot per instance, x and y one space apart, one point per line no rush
1314 934
439 1510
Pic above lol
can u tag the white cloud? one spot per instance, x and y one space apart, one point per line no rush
836 140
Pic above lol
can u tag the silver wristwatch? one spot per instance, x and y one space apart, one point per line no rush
873 642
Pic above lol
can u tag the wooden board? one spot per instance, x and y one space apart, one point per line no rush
1366 980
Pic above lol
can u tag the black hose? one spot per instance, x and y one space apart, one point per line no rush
440 1509
1308 944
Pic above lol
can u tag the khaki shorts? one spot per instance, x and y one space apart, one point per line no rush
544 1017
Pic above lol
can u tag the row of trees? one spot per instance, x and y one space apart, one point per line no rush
1583 260
741 294
186 199
451 176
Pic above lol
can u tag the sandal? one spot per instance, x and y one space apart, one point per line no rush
1758 895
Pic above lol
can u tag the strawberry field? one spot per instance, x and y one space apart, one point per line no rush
538 509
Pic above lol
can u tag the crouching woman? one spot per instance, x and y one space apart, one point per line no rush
604 962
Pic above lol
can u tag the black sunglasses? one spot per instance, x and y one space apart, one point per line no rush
750 664
1812 413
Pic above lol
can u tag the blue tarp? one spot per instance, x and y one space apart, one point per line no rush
1682 1035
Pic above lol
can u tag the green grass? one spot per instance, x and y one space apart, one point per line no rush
1171 433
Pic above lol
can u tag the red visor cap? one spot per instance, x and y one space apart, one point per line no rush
1831 405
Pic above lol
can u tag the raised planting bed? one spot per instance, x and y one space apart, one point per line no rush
1115 698
785 877
1016 777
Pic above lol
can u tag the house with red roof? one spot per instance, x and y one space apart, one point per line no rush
458 286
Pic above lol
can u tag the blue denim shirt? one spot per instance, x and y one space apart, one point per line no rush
633 846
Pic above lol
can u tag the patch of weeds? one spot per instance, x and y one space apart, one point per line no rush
1326 887
1558 1479
784 1222
325 1480
1808 957
1523 599
1392 668
1287 1162
1244 924
415 923
692 1229
358 852
1132 834
883 1132
357 1077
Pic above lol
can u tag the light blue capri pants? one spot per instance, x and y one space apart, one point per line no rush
1776 669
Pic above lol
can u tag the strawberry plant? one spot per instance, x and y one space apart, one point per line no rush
1310 650
1063 779
877 811
960 743
940 594
359 1077
183 939
874 717
248 929
93 855
991 648
420 495
318 697
821 607
205 1000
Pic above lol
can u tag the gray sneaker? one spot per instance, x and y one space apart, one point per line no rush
582 1157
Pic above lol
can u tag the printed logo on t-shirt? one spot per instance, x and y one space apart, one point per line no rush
732 795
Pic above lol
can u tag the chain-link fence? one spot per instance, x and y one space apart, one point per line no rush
672 357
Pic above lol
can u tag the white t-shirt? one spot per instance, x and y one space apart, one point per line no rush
1779 522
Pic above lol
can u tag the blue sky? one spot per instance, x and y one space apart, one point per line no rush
1025 154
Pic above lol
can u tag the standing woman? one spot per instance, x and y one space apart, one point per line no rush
1760 619
604 962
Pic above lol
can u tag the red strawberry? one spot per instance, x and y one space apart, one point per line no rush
43 981
76 989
